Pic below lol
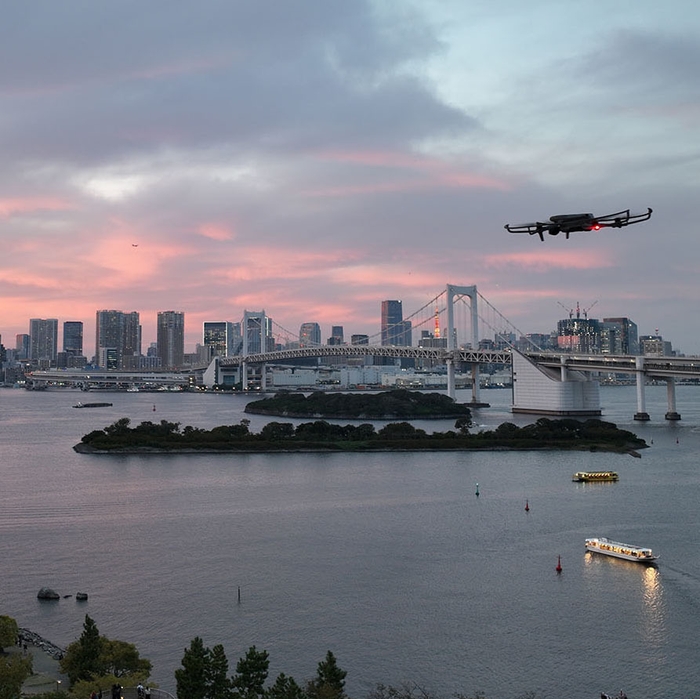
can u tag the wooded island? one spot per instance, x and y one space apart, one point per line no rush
323 436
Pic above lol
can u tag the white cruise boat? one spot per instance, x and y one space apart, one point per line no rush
620 550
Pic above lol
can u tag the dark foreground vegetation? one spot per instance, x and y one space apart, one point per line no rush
97 666
397 404
323 436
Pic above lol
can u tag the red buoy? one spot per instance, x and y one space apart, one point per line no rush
527 506
558 564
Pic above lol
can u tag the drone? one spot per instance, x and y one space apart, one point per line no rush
570 223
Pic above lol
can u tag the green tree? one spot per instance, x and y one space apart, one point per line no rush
122 659
82 658
329 682
251 673
277 431
285 688
191 678
8 631
218 685
14 669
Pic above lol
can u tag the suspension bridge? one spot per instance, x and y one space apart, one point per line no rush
450 325
449 329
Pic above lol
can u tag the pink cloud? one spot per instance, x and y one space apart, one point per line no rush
23 205
541 260
215 231
423 173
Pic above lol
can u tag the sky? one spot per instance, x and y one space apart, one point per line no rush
312 158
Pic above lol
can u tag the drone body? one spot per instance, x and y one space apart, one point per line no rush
570 223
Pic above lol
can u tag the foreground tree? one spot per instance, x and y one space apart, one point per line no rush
82 658
329 682
191 678
217 682
8 631
97 662
14 669
285 688
251 674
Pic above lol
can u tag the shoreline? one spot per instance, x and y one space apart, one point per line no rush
82 448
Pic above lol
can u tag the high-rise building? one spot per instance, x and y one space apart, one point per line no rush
579 335
394 329
309 335
170 339
619 336
43 339
73 337
22 346
120 332
336 337
223 338
655 346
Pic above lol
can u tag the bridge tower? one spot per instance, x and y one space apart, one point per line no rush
453 291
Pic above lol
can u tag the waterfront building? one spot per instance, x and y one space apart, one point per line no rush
580 335
619 336
43 339
73 337
22 346
218 337
655 346
336 337
170 339
309 335
118 331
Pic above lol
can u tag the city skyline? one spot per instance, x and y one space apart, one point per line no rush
313 160
123 333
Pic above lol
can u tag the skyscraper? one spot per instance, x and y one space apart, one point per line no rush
309 335
73 337
22 346
222 338
170 339
43 339
395 330
336 337
118 332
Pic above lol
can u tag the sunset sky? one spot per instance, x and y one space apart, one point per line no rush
314 157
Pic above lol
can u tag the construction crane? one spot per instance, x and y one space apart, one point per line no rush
578 311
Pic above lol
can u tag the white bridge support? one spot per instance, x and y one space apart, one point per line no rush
641 413
552 390
641 375
672 414
451 292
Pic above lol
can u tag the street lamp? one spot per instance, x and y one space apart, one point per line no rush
58 685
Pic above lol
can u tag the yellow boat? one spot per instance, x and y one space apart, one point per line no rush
595 476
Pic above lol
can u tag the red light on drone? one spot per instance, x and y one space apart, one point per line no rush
595 227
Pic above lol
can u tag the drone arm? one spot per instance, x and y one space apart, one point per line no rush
622 218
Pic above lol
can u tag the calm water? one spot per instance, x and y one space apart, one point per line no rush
388 560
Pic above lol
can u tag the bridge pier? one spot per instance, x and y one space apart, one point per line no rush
451 389
671 395
641 414
244 376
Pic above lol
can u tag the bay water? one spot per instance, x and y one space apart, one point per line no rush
389 560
